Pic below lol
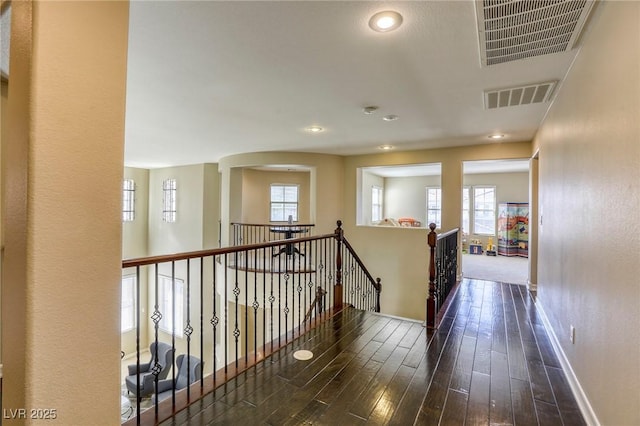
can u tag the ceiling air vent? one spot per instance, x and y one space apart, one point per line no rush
522 95
517 29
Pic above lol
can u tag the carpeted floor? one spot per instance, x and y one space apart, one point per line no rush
512 270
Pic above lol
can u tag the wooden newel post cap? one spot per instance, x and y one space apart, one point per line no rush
432 237
339 223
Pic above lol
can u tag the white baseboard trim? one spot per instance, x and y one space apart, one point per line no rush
532 286
581 398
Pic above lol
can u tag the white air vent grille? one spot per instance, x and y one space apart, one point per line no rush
518 29
522 95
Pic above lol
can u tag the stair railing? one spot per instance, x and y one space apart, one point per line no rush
361 290
443 267
255 233
232 307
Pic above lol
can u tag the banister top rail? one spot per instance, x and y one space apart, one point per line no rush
376 284
275 225
142 261
446 234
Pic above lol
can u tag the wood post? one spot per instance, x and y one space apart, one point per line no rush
431 297
337 291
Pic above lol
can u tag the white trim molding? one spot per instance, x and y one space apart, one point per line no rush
581 398
532 286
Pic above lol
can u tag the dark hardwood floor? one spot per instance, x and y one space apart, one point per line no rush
490 362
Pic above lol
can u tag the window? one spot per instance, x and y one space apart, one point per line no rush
376 203
434 205
284 203
169 200
465 210
484 210
168 309
128 200
128 312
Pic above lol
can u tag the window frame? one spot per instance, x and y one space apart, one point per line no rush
377 207
286 204
466 208
167 323
128 200
484 210
169 200
438 220
126 295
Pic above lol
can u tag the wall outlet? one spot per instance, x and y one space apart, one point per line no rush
572 334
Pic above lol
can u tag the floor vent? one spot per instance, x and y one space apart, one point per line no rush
521 95
510 30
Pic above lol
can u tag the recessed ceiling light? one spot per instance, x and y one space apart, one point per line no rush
369 109
388 20
314 129
390 117
496 136
386 147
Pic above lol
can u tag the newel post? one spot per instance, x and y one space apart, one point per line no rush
378 291
337 290
432 238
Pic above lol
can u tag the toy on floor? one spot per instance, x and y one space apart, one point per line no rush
491 248
475 247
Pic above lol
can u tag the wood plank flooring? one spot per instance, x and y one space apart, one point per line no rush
490 362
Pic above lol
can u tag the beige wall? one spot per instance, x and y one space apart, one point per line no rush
62 177
198 204
399 255
325 183
589 192
211 207
510 187
407 197
3 111
256 193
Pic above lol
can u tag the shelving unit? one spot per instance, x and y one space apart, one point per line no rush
513 229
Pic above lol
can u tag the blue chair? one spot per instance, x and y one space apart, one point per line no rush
147 379
189 371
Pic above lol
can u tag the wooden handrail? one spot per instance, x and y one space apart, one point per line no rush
375 282
141 261
446 234
278 224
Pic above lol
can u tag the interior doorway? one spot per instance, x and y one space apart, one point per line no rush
495 220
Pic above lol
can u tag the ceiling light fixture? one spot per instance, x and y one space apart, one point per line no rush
369 109
386 147
390 117
314 129
385 21
496 136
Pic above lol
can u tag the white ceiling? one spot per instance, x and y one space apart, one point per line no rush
211 79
